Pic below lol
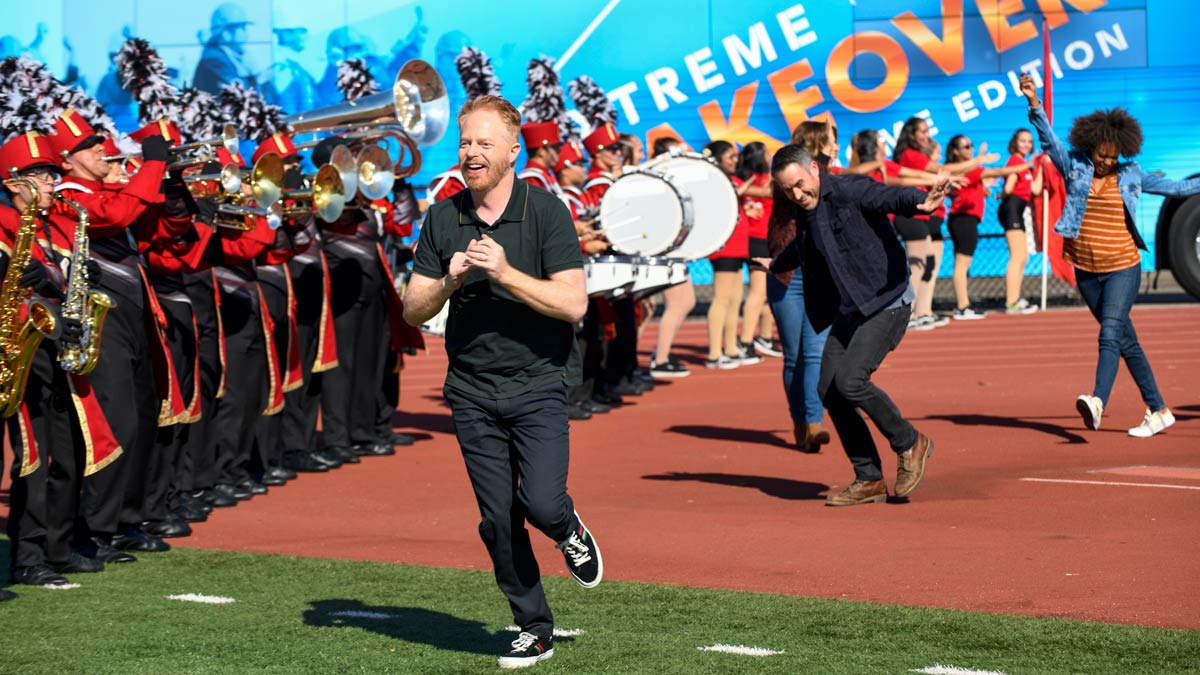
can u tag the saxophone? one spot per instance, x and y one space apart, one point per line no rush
19 338
82 304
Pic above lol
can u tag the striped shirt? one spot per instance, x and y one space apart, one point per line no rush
1104 243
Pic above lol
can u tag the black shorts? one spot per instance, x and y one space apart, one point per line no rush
1012 213
935 228
911 229
758 248
728 264
964 231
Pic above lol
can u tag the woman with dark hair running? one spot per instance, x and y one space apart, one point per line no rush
754 170
1101 240
724 352
1018 192
922 233
966 210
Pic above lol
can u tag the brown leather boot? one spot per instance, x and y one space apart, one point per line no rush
912 465
859 492
800 433
816 436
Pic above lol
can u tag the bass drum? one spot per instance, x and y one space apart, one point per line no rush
714 200
645 213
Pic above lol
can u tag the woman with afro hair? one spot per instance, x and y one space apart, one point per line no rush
1102 242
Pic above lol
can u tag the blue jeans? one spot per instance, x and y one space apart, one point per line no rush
1110 296
798 337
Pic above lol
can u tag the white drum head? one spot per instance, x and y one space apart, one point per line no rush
714 202
642 213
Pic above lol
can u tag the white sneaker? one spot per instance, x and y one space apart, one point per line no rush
722 363
1153 423
921 323
968 314
1090 409
1021 306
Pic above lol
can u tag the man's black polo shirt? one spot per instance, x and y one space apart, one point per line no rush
498 346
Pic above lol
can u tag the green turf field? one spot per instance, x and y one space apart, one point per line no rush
451 621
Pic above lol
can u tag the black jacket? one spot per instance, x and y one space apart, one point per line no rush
850 231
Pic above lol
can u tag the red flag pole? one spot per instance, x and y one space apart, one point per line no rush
1048 106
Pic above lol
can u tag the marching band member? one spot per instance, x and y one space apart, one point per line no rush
363 311
541 145
295 235
123 377
49 438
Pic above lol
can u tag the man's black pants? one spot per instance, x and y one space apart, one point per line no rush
855 349
516 452
303 404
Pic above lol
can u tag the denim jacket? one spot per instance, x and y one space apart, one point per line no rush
1076 169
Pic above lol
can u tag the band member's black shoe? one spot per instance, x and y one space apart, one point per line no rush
297 460
77 564
38 575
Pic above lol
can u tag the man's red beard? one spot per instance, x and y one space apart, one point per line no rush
488 179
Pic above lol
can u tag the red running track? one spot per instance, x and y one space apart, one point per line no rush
695 483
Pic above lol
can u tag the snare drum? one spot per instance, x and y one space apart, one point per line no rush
645 212
610 275
654 274
713 197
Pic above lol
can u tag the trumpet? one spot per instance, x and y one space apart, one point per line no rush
230 179
327 196
265 180
272 213
192 154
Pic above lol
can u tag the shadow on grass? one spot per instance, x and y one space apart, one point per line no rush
1032 424
709 432
411 624
782 488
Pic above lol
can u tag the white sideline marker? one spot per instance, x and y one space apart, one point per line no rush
558 632
356 614
740 650
204 599
61 587
939 669
1112 482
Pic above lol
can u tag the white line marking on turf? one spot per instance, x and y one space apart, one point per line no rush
938 669
205 599
1112 482
558 632
364 615
739 649
61 587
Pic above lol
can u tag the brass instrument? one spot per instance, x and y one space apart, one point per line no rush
19 339
192 154
273 214
82 303
415 112
265 181
230 179
327 196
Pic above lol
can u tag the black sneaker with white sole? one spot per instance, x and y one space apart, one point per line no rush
670 369
768 347
583 557
527 650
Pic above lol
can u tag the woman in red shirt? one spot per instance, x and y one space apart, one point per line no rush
754 168
966 210
724 352
1019 189
922 234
